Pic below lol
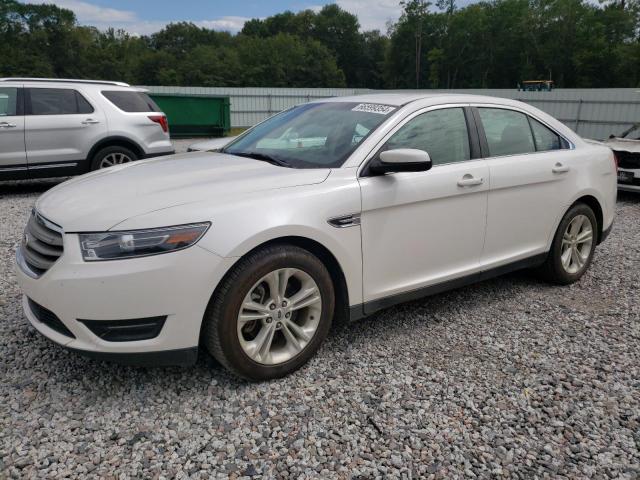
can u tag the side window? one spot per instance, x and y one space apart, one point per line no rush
441 133
507 132
83 105
8 101
131 100
545 139
58 101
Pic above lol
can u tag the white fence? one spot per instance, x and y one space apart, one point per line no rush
593 113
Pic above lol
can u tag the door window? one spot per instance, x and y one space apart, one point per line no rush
441 133
8 101
58 101
507 132
545 139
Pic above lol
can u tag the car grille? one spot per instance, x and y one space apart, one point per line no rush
41 244
628 160
49 319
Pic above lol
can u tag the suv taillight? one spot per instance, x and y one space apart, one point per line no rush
161 120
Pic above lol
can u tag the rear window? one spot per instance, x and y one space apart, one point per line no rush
57 101
129 101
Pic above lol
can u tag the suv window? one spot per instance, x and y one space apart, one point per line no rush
131 101
441 133
57 101
545 138
8 101
507 132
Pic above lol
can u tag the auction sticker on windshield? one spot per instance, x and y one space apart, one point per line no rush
373 108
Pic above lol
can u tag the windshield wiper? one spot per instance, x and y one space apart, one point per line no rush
264 158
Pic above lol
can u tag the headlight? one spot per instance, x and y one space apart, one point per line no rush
139 243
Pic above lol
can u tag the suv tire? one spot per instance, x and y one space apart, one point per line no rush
110 156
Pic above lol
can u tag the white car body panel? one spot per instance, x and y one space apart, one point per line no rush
12 141
103 199
401 251
417 229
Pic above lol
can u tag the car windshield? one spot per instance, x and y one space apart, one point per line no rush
314 135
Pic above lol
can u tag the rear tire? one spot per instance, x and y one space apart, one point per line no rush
573 246
290 299
111 156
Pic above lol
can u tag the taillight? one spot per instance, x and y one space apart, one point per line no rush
615 160
161 120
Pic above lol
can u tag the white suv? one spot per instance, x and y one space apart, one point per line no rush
253 251
51 127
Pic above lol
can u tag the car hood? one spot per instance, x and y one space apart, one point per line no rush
100 200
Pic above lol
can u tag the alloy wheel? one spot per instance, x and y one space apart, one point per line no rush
279 316
115 158
576 244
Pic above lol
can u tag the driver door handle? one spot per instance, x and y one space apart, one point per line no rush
7 125
90 121
560 168
470 181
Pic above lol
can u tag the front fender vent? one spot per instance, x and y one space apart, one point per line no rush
350 220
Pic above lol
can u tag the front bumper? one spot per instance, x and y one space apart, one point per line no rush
175 285
630 187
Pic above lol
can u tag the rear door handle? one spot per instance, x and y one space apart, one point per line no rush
90 121
560 168
7 125
469 181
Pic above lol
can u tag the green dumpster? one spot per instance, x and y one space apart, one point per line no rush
195 115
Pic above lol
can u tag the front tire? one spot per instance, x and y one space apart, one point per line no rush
271 313
573 246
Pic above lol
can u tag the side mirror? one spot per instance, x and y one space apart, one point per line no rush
400 160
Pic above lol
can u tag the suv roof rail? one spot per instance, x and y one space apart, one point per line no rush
63 80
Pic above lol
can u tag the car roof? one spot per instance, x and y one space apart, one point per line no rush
398 99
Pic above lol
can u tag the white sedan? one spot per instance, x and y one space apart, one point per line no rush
253 252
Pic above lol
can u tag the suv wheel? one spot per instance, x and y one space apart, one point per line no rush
573 246
110 156
271 313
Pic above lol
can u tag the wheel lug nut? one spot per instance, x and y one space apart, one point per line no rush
284 304
278 324
272 307
269 319
287 315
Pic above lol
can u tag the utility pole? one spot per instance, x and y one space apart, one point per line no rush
418 51
415 12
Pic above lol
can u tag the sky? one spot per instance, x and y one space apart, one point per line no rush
141 17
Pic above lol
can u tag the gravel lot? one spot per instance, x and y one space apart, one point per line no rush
508 378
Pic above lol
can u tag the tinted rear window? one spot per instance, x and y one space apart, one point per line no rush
57 101
129 101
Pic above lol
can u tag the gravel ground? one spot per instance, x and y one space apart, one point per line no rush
508 378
